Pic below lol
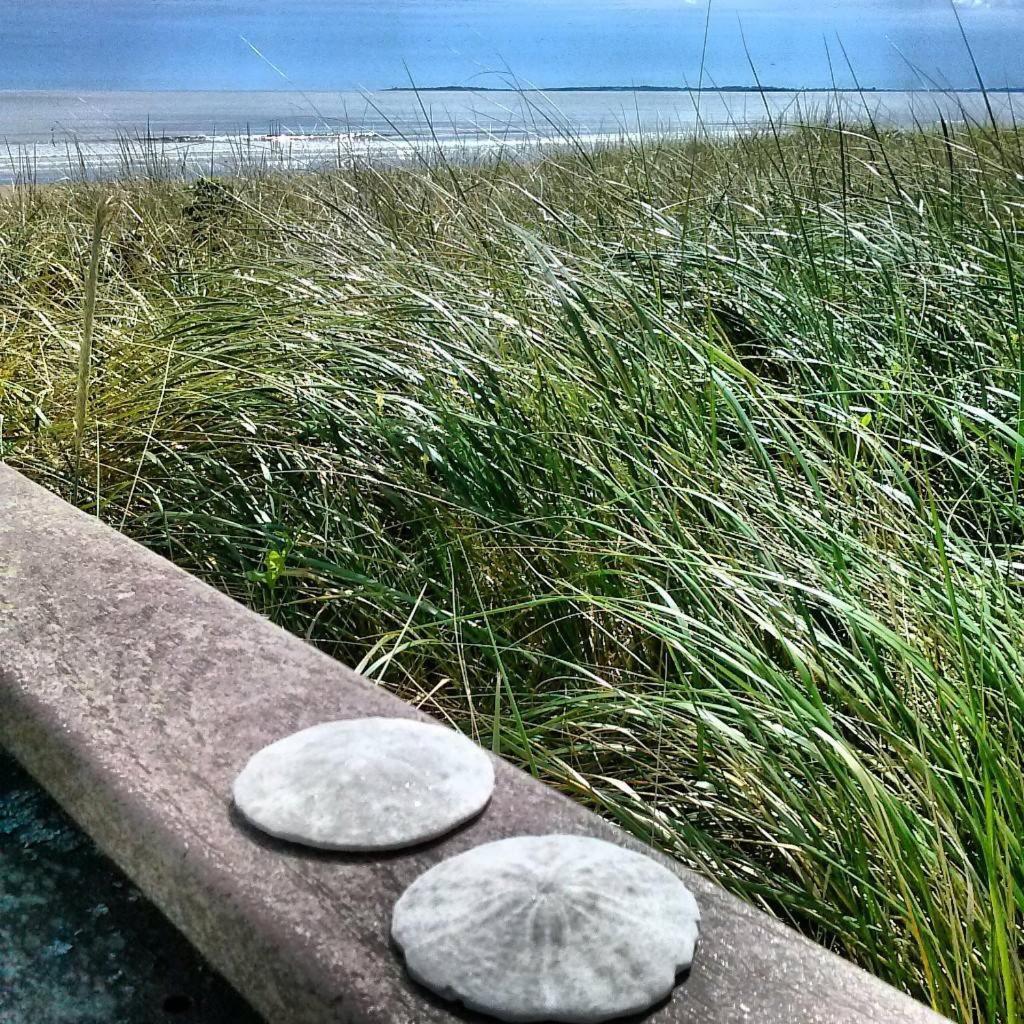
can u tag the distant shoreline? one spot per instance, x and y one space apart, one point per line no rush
682 88
1001 90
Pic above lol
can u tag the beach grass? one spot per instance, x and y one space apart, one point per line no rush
685 474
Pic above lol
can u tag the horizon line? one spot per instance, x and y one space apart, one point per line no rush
693 88
542 89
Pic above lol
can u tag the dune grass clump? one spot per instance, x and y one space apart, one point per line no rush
685 474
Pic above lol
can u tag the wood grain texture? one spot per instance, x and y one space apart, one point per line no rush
135 693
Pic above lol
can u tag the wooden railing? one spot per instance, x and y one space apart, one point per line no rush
134 693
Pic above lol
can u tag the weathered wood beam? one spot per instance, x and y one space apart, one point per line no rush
134 693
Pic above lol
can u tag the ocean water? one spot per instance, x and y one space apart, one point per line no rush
52 135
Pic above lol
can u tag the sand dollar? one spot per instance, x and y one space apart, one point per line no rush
365 784
553 928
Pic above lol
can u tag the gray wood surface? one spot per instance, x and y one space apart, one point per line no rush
134 693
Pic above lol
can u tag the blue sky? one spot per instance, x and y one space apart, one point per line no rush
349 44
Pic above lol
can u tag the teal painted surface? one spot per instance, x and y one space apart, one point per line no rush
78 943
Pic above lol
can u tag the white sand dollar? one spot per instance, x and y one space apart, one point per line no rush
365 784
553 928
